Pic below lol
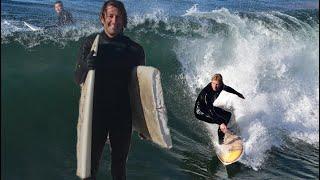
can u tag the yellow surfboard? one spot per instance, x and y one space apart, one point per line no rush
231 149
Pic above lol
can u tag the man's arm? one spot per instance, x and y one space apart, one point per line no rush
137 51
81 68
231 90
141 57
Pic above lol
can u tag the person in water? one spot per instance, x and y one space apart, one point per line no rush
204 109
64 17
116 58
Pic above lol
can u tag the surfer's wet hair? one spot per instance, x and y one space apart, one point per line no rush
217 77
117 4
58 2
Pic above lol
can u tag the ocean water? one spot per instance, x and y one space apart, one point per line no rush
267 50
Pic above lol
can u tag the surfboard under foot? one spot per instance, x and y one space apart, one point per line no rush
231 149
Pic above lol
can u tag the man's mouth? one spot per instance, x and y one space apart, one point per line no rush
113 28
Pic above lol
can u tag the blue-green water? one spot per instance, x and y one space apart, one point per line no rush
268 50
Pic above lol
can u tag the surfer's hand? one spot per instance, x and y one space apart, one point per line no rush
223 128
241 96
91 60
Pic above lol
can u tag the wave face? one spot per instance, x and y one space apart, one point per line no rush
267 51
273 59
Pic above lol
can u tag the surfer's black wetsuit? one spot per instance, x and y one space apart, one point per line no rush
111 110
64 18
205 111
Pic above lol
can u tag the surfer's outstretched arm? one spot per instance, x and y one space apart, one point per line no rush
231 90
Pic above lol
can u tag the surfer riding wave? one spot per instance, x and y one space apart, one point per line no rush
204 109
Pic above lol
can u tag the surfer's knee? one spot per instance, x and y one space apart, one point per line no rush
228 117
196 115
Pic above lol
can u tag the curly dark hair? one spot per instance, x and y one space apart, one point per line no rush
119 5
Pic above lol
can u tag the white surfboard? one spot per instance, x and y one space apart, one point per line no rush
148 109
84 127
32 27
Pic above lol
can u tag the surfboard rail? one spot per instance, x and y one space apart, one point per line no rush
84 127
32 27
149 114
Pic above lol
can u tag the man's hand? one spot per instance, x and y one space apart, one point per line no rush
90 60
241 96
223 128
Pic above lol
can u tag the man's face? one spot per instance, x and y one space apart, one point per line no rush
216 85
112 21
58 7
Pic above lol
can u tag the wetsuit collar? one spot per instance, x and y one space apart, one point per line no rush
117 37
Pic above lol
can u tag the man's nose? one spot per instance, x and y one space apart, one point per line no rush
114 19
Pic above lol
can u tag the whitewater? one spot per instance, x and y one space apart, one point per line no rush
269 52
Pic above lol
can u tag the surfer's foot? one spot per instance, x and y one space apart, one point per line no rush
142 136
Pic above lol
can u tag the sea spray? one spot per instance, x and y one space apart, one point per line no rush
272 60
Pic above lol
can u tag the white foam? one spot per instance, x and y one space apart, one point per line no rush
274 66
156 16
192 10
17 31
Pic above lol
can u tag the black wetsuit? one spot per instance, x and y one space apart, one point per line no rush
205 111
111 110
64 18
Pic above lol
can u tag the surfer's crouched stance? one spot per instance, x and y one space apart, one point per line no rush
116 58
204 109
